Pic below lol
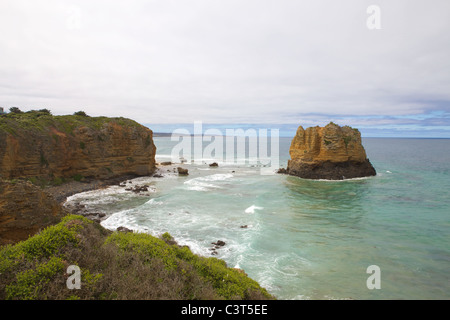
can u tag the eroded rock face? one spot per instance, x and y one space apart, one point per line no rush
70 146
24 210
331 152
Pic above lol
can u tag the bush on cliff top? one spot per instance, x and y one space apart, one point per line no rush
115 265
42 121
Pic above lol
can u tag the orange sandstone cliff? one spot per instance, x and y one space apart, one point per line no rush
331 152
36 144
25 209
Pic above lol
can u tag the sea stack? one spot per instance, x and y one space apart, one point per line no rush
331 152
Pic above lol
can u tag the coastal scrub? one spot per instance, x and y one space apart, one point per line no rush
115 265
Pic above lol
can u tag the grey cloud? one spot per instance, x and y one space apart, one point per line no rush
234 61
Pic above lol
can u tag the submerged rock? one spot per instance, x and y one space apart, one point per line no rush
331 152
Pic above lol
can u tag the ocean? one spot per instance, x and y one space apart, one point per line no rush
306 239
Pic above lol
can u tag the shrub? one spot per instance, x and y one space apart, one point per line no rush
115 265
29 283
78 177
80 113
45 111
15 110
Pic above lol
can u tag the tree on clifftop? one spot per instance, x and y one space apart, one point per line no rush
15 110
80 113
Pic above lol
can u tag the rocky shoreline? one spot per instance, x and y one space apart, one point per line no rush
62 192
26 208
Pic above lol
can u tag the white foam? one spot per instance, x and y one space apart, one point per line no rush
110 191
252 209
216 177
153 201
197 185
118 219
163 156
202 183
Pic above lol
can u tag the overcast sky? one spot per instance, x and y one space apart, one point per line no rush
287 62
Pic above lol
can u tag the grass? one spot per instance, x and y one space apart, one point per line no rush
115 265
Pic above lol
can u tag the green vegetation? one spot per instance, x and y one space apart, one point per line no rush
43 121
115 265
148 141
80 113
43 160
43 182
78 177
15 110
347 139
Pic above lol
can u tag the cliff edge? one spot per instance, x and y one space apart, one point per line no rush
37 144
331 152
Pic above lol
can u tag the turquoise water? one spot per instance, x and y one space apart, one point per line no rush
304 239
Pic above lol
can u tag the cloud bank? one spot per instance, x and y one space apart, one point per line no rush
254 61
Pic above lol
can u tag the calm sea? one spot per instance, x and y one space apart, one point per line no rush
304 239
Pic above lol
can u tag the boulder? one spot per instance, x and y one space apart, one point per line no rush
182 171
123 229
219 243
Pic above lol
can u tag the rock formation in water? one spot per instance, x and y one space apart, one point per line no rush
36 144
331 152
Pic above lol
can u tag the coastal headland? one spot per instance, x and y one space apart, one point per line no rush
43 160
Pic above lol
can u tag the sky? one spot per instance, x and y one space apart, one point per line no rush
241 63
